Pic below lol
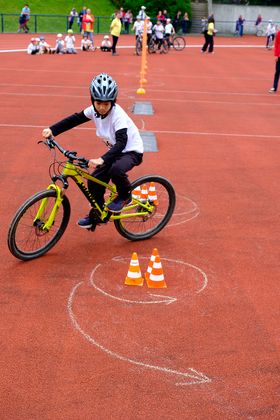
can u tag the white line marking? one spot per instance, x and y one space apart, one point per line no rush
164 299
133 46
184 133
204 276
194 376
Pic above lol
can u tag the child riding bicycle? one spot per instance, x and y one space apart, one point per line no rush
120 135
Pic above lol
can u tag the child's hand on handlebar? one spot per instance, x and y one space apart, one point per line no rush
93 163
46 133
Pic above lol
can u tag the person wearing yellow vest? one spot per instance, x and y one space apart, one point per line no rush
209 37
115 29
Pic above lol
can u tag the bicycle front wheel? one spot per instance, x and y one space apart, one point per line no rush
145 225
179 43
28 238
138 47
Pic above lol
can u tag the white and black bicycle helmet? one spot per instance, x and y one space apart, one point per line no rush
103 88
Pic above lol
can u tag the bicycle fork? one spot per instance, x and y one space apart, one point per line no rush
47 224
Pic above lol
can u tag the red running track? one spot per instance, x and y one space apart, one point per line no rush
75 342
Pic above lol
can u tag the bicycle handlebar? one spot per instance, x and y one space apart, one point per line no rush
51 143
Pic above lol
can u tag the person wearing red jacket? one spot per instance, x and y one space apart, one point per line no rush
87 25
277 67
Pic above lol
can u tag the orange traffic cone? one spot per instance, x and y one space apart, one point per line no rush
136 193
156 278
151 262
134 277
152 194
144 193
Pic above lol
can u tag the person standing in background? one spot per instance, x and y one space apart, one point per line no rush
127 20
209 38
241 22
87 25
142 13
185 23
277 66
177 21
24 19
115 28
71 17
80 17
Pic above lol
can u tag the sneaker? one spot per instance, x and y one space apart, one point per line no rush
118 204
272 90
85 223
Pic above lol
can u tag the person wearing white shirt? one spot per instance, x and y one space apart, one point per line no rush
138 27
33 47
120 135
270 34
70 42
168 31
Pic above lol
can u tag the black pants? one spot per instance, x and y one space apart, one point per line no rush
117 172
277 74
114 43
209 42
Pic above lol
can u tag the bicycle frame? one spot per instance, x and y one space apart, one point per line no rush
78 174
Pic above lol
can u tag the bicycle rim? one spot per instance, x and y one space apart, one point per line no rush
148 224
27 238
179 43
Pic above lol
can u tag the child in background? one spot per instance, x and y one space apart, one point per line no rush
158 29
270 34
33 47
70 42
44 47
86 44
168 31
106 45
59 45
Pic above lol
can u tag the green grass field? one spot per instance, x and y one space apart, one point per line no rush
58 11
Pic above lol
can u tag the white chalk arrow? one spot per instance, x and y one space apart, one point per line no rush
161 298
190 377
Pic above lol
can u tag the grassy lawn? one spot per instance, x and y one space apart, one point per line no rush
58 11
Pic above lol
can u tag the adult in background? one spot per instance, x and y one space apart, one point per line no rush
240 25
142 13
277 66
127 20
24 19
270 34
80 17
209 38
185 23
115 29
87 25
177 21
71 17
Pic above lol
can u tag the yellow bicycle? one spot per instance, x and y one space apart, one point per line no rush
42 219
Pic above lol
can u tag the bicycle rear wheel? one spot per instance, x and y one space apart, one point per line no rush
179 43
27 238
150 223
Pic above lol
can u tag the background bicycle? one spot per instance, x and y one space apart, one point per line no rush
158 45
178 42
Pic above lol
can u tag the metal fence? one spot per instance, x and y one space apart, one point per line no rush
9 23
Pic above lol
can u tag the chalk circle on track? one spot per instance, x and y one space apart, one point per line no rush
185 211
183 279
111 278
